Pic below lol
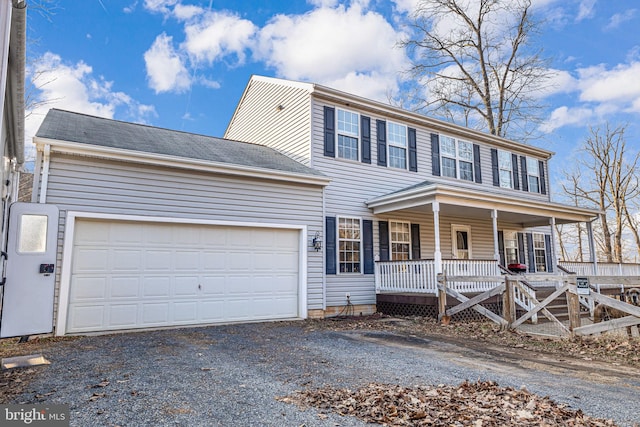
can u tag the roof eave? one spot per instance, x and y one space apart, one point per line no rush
68 147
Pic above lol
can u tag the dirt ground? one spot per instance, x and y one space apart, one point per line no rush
602 356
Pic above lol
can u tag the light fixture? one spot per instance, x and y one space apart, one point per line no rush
317 243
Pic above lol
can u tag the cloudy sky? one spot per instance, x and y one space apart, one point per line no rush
183 64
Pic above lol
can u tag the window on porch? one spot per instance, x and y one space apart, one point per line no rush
511 254
400 240
540 251
461 239
349 245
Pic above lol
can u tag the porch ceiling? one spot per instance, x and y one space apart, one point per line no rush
472 203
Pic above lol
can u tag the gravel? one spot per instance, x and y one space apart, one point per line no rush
231 375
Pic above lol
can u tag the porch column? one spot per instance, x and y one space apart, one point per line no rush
496 248
437 254
592 248
554 252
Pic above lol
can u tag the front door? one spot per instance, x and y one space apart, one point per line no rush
27 302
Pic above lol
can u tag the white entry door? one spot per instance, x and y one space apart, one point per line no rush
128 275
27 302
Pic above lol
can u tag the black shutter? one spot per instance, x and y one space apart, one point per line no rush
521 255
381 130
501 248
494 167
476 163
365 131
548 252
525 177
516 176
413 151
415 241
532 255
383 229
329 132
543 181
330 245
367 243
435 154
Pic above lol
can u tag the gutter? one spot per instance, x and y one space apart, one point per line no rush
177 162
16 82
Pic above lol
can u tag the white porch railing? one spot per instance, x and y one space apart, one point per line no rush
419 276
604 268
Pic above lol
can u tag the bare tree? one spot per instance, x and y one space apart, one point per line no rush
612 181
476 62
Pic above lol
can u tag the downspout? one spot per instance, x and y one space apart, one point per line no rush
45 173
17 60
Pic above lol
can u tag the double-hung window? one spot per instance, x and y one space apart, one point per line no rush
397 139
505 167
533 175
456 158
400 240
348 134
540 252
349 245
511 255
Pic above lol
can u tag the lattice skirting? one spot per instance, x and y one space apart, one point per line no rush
428 310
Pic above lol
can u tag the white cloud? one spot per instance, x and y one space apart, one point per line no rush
564 116
218 35
619 18
620 84
74 87
358 52
165 69
161 6
586 10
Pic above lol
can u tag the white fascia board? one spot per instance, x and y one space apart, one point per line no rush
454 195
334 95
177 162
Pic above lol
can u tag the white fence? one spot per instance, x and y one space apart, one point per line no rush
604 268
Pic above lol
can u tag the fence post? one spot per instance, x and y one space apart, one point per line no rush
508 301
573 303
442 299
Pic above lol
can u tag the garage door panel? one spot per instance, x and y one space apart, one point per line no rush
180 274
89 288
123 315
186 286
89 260
155 314
125 260
125 287
158 260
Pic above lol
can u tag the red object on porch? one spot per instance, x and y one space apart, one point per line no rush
517 268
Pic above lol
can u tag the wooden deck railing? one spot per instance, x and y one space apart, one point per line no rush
604 268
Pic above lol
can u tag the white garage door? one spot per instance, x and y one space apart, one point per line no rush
127 275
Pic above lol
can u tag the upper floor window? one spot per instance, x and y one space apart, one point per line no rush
505 167
456 158
533 175
397 140
400 240
349 245
348 133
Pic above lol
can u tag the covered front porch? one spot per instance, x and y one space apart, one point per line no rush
478 234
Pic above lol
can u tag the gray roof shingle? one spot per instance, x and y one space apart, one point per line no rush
81 128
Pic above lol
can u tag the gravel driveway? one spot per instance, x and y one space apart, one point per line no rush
230 375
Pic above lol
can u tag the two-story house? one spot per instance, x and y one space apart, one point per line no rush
407 187
313 201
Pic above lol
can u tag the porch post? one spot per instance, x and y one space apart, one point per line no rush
496 248
592 248
437 254
554 252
